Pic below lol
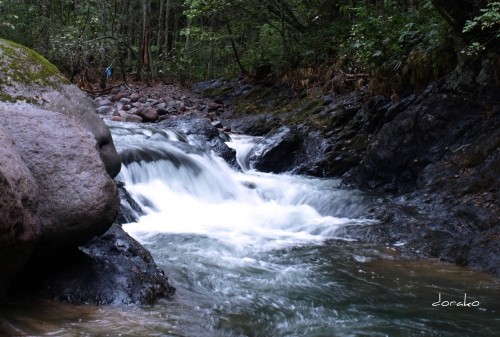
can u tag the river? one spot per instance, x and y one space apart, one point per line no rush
257 254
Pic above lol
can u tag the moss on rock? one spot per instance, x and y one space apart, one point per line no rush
21 69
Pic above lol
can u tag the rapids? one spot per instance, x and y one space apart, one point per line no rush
256 254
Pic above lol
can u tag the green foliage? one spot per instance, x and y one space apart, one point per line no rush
484 29
7 19
403 47
395 42
489 19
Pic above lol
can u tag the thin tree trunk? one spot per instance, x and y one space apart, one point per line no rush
161 29
235 51
167 28
104 25
145 50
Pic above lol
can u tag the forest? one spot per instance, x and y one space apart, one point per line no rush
249 168
388 44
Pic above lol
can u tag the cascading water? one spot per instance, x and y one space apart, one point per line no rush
184 190
254 254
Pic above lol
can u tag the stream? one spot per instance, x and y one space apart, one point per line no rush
258 254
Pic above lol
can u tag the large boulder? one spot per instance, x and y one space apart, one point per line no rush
26 76
72 102
277 151
18 204
80 199
57 196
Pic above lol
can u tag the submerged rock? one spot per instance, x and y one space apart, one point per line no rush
204 134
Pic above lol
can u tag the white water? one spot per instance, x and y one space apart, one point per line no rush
248 257
248 211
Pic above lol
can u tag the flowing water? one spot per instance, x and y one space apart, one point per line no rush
254 254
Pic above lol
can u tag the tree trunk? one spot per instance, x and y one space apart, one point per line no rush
161 30
167 28
145 45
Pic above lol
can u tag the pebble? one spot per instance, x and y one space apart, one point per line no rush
153 104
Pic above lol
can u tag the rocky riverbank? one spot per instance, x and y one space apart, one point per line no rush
430 157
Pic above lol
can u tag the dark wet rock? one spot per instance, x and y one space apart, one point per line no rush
205 135
277 151
162 111
213 106
256 125
416 137
327 99
129 211
110 269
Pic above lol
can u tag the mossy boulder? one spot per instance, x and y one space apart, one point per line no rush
27 77
56 166
24 73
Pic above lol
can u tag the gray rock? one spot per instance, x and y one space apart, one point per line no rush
48 88
105 110
79 198
133 118
72 102
125 100
134 97
104 102
18 205
148 114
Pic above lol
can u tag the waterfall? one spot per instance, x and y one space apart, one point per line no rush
255 254
183 189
